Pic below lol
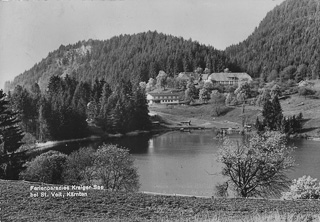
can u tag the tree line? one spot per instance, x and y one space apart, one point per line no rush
65 108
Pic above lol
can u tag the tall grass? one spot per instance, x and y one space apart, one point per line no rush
272 217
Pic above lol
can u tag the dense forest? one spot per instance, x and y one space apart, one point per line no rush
285 45
64 110
135 57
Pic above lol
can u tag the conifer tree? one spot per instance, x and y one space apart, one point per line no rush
10 140
106 93
141 112
277 111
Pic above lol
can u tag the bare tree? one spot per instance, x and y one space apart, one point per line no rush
257 166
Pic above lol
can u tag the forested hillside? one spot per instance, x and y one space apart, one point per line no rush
136 57
285 45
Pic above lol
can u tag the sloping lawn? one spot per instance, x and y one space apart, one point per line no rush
101 205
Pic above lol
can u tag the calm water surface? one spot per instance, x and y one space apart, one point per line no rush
186 162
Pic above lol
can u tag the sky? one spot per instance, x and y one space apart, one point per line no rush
29 30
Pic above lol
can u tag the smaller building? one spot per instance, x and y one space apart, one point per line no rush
163 98
228 78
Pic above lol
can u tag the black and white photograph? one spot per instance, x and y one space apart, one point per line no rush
160 110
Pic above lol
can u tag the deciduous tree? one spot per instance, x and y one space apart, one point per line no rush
258 166
113 166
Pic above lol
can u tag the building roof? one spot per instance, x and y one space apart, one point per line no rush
164 93
228 76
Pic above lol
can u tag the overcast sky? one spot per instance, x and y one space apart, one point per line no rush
29 30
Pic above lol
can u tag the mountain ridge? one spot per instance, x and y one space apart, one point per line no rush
284 46
137 57
289 35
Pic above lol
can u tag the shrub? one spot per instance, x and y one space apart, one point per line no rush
46 168
303 188
113 168
76 167
303 91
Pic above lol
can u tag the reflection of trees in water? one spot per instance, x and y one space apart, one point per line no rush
136 144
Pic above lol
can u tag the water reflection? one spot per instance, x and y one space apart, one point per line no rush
185 163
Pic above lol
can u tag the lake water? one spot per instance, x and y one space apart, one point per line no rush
186 162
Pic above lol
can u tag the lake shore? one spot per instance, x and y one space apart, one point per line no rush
101 205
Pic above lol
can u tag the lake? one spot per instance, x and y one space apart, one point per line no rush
178 162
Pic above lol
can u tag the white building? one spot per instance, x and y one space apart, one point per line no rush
229 78
163 97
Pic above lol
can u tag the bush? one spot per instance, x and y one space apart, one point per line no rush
46 168
113 168
220 110
303 188
76 167
303 91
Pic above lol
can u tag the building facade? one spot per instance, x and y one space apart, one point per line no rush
163 98
228 78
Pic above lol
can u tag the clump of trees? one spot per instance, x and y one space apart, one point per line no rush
10 140
62 111
256 167
273 119
109 166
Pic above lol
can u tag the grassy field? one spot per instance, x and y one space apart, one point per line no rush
202 115
101 205
310 108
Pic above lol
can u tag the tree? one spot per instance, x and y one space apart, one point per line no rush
272 114
288 73
10 140
151 84
243 92
275 91
301 72
263 97
76 167
258 166
162 79
273 75
191 91
46 168
304 91
106 93
22 102
140 119
113 166
218 102
204 95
